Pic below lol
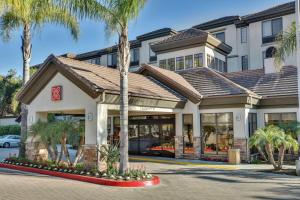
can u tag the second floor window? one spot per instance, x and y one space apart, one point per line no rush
163 64
179 63
112 59
270 29
198 60
134 55
189 61
171 64
244 35
244 63
220 36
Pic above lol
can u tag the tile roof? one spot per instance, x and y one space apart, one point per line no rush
283 83
109 79
210 83
223 21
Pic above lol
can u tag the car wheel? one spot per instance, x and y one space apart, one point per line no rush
6 145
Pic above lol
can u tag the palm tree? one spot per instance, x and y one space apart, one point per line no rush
286 44
273 138
30 15
116 14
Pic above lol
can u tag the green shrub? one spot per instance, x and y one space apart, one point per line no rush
10 130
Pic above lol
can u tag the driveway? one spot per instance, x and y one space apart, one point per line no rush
177 182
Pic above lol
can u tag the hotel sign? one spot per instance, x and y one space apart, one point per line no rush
56 93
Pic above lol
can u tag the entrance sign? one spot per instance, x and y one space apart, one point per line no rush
56 93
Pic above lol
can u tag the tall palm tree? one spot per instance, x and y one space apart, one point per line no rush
286 44
30 15
116 14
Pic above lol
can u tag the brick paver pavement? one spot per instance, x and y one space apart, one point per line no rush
178 182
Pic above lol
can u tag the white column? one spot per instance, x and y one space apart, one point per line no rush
101 124
196 124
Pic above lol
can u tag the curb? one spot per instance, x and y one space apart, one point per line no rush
100 181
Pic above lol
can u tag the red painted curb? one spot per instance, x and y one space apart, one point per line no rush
154 181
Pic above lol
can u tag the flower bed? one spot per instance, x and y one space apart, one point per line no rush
80 175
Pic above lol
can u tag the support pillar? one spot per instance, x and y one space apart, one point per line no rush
178 136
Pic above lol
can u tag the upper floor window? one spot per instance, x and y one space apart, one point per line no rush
152 54
244 62
198 60
216 63
163 64
270 29
112 60
96 61
270 52
220 36
244 35
171 64
179 63
134 55
189 61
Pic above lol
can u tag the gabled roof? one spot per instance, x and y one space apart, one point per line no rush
210 83
283 83
95 79
190 37
223 21
172 80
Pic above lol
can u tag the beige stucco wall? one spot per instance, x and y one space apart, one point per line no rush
73 99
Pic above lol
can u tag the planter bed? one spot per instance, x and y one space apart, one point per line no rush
96 180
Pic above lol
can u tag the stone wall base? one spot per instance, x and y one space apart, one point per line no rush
242 144
90 156
35 149
178 147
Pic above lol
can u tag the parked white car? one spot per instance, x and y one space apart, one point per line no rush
7 141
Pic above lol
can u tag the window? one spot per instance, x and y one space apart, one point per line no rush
188 134
152 54
244 35
216 63
244 63
279 118
270 52
209 61
198 60
252 123
220 36
189 61
171 64
179 63
112 60
163 64
134 56
217 132
96 61
270 29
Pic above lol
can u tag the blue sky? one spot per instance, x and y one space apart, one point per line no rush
176 14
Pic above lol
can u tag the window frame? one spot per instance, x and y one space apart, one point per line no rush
245 38
280 118
242 62
272 37
192 62
181 60
218 33
201 57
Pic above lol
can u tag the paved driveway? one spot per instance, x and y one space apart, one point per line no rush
178 182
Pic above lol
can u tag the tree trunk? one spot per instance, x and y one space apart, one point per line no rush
280 157
269 151
79 152
262 153
124 60
66 151
26 52
51 151
58 159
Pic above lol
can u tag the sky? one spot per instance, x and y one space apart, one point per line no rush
176 14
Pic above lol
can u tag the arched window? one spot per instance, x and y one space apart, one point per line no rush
270 52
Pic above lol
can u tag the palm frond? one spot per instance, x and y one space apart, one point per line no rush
286 44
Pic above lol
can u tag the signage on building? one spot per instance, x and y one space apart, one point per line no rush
56 93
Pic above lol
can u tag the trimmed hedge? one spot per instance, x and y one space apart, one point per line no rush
10 130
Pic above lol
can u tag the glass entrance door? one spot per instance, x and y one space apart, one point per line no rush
152 135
